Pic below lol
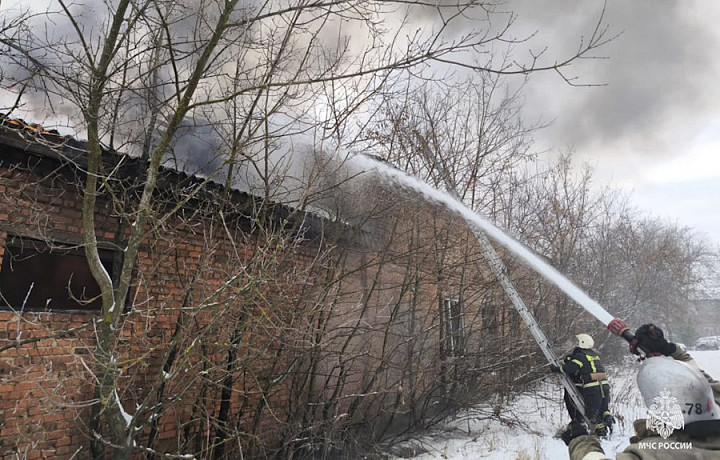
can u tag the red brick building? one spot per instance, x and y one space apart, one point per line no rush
259 330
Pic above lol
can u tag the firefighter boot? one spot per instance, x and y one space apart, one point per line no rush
609 421
573 430
601 430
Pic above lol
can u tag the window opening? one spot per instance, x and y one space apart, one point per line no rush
37 276
454 326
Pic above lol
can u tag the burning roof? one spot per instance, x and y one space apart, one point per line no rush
33 140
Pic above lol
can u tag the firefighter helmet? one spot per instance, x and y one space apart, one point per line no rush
585 341
666 383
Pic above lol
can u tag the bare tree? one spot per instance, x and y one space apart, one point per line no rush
145 77
468 139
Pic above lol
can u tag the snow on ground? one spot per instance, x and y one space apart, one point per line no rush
526 427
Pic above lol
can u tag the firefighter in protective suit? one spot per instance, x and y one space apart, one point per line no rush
683 407
585 369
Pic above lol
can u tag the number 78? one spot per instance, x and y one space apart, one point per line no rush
697 407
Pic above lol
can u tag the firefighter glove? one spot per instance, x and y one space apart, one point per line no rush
651 339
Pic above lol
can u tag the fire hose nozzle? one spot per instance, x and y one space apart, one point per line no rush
619 328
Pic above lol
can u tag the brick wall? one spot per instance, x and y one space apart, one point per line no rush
46 372
43 386
292 337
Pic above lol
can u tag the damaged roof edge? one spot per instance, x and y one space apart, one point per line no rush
71 153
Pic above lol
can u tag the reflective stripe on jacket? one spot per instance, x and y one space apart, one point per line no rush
584 368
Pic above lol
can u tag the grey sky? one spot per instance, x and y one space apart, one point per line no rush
655 127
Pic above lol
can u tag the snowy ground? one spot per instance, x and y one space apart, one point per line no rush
537 417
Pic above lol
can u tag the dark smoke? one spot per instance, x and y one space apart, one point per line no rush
196 150
659 74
